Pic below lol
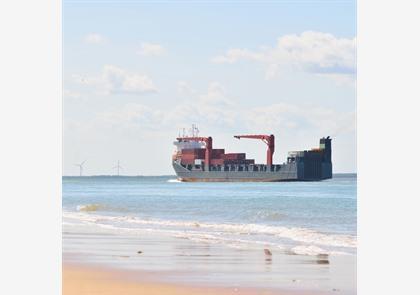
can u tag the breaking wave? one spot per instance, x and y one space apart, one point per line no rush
89 207
235 235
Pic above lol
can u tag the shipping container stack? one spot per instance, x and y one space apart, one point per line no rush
188 156
218 157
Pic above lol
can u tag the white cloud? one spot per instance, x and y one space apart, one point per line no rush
94 38
291 118
119 80
214 108
133 115
312 52
211 107
215 95
150 49
287 120
114 80
234 55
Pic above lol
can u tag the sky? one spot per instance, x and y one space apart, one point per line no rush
135 73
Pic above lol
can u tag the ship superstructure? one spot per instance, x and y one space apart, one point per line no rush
195 159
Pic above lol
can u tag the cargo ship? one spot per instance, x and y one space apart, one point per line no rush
195 160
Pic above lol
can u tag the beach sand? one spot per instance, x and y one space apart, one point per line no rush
98 263
87 280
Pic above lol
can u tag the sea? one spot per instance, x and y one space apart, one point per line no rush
299 218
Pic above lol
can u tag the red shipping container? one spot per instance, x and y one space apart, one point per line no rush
188 158
217 153
198 153
234 156
201 154
192 151
187 151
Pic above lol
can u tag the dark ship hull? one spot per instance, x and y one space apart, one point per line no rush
284 172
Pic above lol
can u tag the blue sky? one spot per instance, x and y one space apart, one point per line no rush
135 73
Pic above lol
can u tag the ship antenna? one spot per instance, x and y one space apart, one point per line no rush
194 130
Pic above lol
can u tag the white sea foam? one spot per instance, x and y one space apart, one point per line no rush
211 238
219 232
173 180
308 250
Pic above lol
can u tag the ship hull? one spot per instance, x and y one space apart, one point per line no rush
287 172
230 179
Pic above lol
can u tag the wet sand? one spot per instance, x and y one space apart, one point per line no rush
97 262
89 280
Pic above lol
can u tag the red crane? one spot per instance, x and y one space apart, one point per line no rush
268 140
209 146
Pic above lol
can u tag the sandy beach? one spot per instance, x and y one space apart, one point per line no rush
88 280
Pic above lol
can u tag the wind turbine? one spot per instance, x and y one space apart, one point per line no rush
118 167
81 166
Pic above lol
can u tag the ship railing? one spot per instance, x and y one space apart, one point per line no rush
239 167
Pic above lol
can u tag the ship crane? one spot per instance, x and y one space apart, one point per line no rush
268 140
209 146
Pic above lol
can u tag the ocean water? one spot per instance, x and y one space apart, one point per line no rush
304 218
